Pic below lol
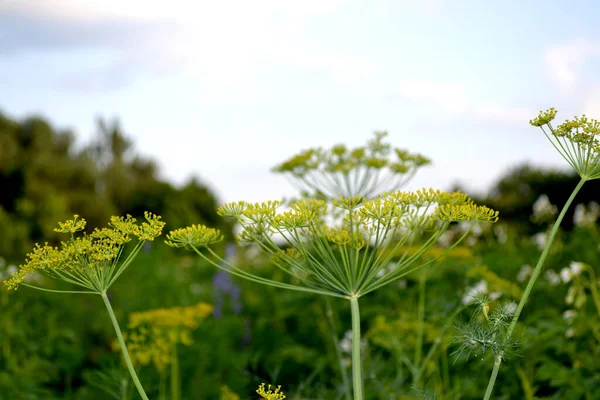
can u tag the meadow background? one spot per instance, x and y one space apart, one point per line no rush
202 100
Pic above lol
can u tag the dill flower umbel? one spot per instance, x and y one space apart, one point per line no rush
364 171
344 259
89 261
577 141
269 394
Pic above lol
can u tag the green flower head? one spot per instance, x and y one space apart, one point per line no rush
89 261
362 171
371 245
577 141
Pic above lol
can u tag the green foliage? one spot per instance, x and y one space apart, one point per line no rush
45 177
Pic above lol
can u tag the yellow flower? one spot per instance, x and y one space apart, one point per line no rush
154 333
270 394
89 261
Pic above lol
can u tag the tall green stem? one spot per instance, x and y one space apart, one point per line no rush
420 319
536 273
356 360
175 384
115 323
338 353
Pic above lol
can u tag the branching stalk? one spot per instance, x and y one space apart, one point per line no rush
536 273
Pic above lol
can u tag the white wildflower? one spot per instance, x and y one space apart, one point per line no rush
584 216
524 273
540 239
346 343
569 315
576 267
552 277
570 333
480 287
566 275
495 295
543 210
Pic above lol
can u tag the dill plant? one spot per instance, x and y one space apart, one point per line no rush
578 142
91 262
369 246
364 171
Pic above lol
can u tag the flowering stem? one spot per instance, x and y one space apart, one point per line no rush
421 318
356 361
338 353
175 388
115 323
536 273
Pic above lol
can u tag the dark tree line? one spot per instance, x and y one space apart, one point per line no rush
44 178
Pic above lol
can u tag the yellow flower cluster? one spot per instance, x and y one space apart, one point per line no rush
364 170
341 159
270 394
337 258
193 236
153 334
88 260
577 141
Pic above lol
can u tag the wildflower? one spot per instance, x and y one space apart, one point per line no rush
543 210
540 239
569 316
473 292
153 334
88 261
574 269
552 277
577 141
524 273
373 236
362 171
586 216
270 394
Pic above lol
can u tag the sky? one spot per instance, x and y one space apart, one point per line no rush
224 90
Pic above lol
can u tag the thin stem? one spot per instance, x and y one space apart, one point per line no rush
420 319
115 323
175 384
490 388
338 352
356 360
536 273
59 291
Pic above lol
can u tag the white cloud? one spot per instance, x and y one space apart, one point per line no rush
449 97
453 99
227 43
562 60
591 106
493 112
